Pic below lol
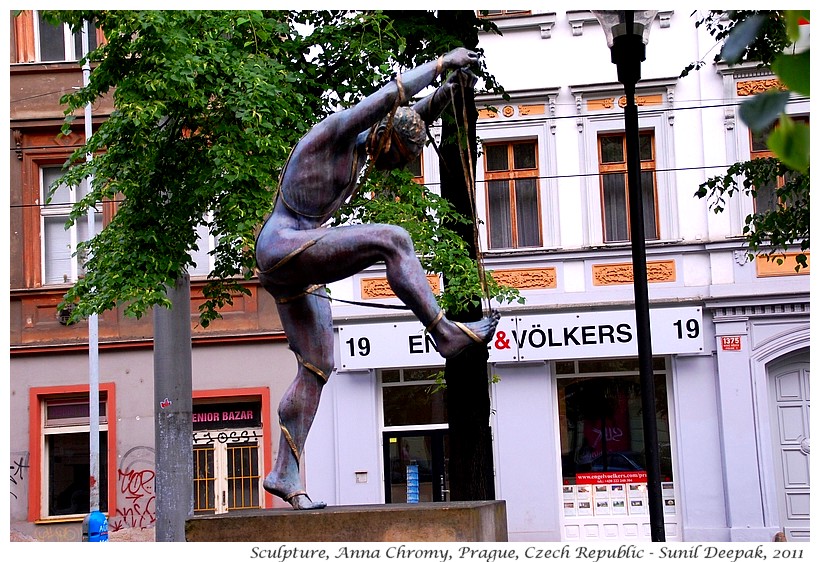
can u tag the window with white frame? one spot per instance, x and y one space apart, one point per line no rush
227 471
60 262
513 202
614 186
54 43
202 257
66 456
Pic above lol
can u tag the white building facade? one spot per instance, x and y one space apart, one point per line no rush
730 335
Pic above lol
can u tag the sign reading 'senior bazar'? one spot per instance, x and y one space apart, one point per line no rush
572 335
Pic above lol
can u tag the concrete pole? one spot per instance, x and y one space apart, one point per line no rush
93 324
173 404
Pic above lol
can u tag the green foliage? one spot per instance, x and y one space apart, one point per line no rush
768 37
771 232
207 107
394 198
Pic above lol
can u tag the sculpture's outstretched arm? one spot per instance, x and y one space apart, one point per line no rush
376 106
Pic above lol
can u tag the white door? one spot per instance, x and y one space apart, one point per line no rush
789 391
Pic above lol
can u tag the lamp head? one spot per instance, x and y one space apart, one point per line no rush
627 33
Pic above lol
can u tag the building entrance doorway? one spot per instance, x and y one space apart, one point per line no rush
789 396
422 454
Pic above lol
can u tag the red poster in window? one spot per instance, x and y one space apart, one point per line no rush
630 477
614 427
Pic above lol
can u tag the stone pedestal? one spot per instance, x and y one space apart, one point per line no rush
480 521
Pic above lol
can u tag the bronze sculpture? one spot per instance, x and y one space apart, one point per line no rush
297 255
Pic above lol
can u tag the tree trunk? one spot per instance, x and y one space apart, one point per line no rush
468 399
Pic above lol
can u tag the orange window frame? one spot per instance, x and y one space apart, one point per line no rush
621 168
37 396
511 175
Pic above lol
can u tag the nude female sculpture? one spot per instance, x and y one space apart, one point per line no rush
297 254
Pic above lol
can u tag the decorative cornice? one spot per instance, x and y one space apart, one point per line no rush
543 22
379 288
528 278
621 273
785 267
752 87
726 313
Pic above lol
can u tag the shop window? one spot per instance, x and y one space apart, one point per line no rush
61 263
228 461
66 457
603 460
766 199
416 387
415 442
614 190
513 202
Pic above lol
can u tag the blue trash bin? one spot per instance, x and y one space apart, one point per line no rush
95 527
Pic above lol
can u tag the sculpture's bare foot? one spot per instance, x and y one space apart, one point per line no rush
454 337
296 497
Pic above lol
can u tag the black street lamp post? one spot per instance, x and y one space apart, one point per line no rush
627 33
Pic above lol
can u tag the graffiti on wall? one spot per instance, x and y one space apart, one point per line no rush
135 489
234 436
19 472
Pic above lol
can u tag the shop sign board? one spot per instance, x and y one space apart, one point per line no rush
574 335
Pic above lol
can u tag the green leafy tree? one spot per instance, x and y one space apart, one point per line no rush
770 38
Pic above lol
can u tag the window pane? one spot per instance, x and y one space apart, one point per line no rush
524 156
52 41
200 256
62 194
426 407
615 217
601 425
82 226
759 139
495 157
411 450
413 375
414 167
612 149
526 213
648 188
243 475
78 41
500 218
69 471
57 250
204 479
765 199
645 146
70 413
